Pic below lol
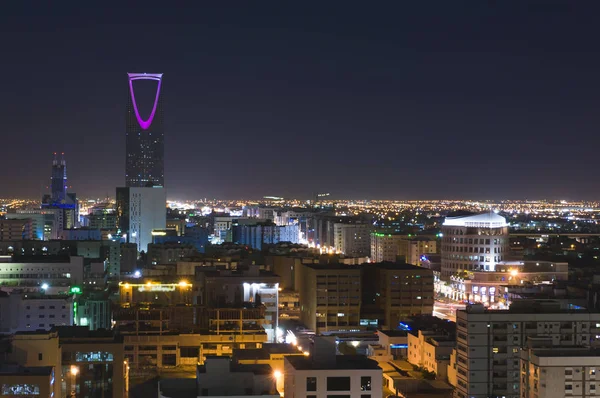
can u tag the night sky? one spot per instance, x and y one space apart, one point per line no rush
364 100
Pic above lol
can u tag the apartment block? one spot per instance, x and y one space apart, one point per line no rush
489 343
560 372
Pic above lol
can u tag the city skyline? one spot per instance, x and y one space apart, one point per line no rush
400 103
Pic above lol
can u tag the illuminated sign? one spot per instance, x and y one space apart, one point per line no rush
75 290
156 288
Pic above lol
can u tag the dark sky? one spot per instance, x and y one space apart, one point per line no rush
449 99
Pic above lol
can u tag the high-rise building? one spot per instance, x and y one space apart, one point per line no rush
59 198
489 343
473 243
144 163
139 212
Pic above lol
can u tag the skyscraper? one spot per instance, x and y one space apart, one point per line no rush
65 203
59 179
144 164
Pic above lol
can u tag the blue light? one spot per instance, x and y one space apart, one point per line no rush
404 326
398 345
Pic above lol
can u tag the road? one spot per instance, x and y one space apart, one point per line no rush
446 310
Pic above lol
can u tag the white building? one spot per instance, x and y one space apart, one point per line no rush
489 343
325 374
53 275
25 312
353 240
559 373
473 243
139 212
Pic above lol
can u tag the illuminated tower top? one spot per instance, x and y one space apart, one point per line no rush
144 124
144 163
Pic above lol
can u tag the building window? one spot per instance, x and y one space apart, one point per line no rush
365 383
338 384
311 384
40 356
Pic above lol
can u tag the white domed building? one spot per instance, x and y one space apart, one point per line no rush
473 243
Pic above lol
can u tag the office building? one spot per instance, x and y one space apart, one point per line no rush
258 235
93 310
175 349
490 287
401 291
353 240
169 253
46 223
25 312
325 374
560 372
92 362
473 243
51 274
144 144
223 288
20 229
489 343
85 363
139 212
330 297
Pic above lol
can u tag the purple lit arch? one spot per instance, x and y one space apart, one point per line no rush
144 124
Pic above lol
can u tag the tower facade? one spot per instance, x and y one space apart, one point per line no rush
144 163
59 179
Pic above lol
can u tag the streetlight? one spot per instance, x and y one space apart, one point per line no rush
74 370
45 286
277 374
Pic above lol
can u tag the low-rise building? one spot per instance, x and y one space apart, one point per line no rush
431 351
394 342
323 373
26 381
16 229
51 274
223 377
268 354
20 312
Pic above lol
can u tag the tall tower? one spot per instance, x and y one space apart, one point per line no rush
59 179
144 163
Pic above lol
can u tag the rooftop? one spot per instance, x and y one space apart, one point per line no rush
18 370
334 266
487 219
567 352
341 362
399 266
266 351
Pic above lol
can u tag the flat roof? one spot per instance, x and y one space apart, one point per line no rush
566 352
341 362
334 266
394 333
399 266
266 351
18 370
